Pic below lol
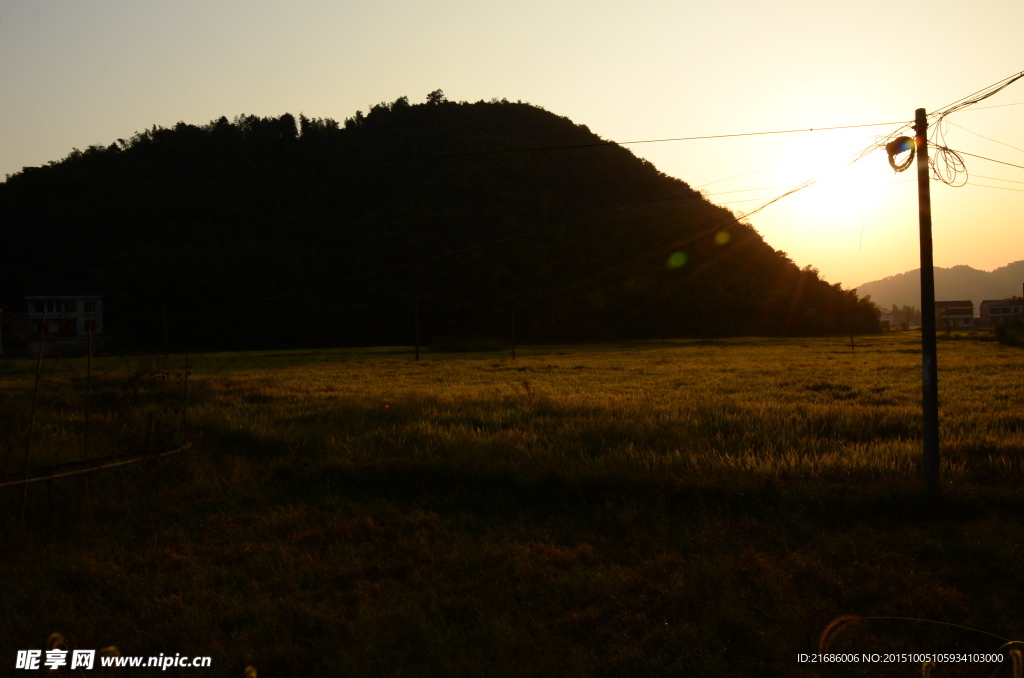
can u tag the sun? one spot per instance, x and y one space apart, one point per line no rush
839 195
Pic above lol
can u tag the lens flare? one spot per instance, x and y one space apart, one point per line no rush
722 237
676 260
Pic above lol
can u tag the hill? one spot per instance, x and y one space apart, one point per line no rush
958 282
274 232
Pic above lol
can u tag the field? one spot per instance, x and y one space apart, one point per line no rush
640 509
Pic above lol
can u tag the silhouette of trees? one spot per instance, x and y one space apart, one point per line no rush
205 219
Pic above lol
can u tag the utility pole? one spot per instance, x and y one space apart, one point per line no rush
929 351
513 336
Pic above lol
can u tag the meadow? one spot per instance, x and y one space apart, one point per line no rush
630 509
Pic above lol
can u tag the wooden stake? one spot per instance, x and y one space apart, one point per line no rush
32 416
703 328
166 354
88 405
185 410
416 306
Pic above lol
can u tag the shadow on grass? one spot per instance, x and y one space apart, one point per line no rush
490 493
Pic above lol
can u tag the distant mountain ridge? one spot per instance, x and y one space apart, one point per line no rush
951 284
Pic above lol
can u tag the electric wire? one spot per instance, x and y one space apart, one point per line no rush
953 163
705 234
445 156
347 240
982 157
985 108
884 183
1012 181
987 138
980 95
1001 188
947 165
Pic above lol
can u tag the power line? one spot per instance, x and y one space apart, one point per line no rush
778 164
1001 188
947 165
689 193
732 202
987 138
707 233
961 103
999 179
975 97
128 255
982 108
990 159
445 156
751 134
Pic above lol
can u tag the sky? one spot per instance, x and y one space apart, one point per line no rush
76 73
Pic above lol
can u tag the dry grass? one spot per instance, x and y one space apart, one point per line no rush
627 510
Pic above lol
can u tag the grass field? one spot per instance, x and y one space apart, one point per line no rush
583 511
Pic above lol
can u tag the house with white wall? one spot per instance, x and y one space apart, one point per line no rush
65 316
950 314
996 310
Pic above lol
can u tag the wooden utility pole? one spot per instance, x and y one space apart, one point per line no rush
513 336
929 363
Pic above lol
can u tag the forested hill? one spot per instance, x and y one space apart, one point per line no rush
956 282
283 232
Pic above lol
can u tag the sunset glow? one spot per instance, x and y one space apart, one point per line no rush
659 70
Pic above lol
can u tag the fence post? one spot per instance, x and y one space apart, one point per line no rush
32 416
88 406
703 326
185 410
149 442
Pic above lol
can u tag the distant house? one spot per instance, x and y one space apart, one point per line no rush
954 314
64 316
996 310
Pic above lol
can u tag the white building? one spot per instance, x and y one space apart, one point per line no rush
65 316
997 310
949 314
